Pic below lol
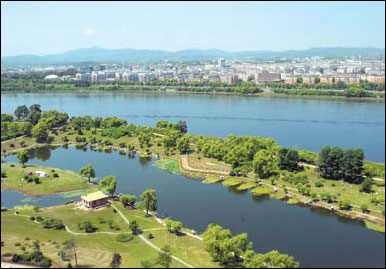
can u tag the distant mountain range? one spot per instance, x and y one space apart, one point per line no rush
99 55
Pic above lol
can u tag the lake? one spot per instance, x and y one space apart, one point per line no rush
302 123
315 237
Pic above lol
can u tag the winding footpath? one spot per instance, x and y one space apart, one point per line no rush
150 243
146 241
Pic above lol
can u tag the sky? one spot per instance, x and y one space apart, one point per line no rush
55 27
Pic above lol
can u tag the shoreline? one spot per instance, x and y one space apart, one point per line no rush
270 95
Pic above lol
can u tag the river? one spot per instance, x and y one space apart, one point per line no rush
315 237
302 123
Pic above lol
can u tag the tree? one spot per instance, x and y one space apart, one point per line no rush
127 200
40 132
87 171
34 116
288 159
329 162
367 185
317 79
271 259
352 165
70 245
23 156
133 226
173 226
165 256
109 184
265 163
149 198
182 127
299 79
224 248
144 140
183 144
21 112
116 260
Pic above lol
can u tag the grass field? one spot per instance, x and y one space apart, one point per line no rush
67 180
96 250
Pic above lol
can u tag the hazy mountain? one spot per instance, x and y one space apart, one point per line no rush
96 54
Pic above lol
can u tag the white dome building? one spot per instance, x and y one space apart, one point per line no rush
51 77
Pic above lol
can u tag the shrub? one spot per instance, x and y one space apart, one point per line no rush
87 226
364 208
326 197
3 174
53 224
124 237
344 205
319 184
12 165
55 175
150 236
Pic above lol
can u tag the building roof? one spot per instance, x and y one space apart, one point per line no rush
51 77
94 196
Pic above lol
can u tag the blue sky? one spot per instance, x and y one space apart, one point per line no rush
54 27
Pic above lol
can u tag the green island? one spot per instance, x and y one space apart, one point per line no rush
336 179
15 177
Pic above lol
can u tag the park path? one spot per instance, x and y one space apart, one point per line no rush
127 221
186 166
150 243
15 265
13 139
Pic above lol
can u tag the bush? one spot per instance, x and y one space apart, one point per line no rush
55 175
12 165
124 237
364 208
344 205
55 224
319 184
87 226
326 197
150 236
3 174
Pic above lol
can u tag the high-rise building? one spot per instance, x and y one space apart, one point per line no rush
221 63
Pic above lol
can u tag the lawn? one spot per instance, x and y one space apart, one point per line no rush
67 180
96 250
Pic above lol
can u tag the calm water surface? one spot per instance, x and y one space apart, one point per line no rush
296 122
315 237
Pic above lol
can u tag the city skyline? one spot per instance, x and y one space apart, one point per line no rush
49 28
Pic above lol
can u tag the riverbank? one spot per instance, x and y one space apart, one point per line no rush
262 94
57 180
96 249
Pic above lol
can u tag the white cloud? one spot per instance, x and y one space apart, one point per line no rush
89 31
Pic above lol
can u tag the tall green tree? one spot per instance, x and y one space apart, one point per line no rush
149 198
352 165
23 156
109 184
183 144
265 163
87 171
288 159
329 162
40 132
21 112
